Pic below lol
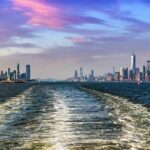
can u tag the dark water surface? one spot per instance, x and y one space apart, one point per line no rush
64 117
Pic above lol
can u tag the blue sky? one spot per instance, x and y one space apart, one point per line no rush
58 36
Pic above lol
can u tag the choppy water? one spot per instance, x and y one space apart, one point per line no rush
64 117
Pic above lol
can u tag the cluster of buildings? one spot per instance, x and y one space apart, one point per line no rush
80 77
132 74
124 74
16 75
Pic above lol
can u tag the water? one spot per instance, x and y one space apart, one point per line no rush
64 117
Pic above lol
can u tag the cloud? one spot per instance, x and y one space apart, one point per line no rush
11 24
40 13
131 23
77 40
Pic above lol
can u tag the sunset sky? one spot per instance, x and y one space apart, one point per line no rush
58 36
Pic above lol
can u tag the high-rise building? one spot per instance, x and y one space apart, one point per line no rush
8 73
15 75
81 74
28 72
122 73
117 76
126 74
133 64
12 76
144 73
86 78
131 77
148 65
23 76
18 71
91 77
141 76
114 72
148 71
92 73
109 77
137 71
137 74
76 75
5 75
2 75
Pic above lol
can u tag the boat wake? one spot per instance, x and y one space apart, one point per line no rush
133 118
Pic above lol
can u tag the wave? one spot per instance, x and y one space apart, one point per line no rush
133 118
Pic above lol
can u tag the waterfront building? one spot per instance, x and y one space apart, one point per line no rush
92 73
15 75
18 71
117 76
81 74
148 65
133 64
23 76
28 72
109 77
144 73
122 74
5 75
86 78
2 75
137 71
114 70
12 76
91 76
148 71
8 75
141 76
130 75
126 74
76 75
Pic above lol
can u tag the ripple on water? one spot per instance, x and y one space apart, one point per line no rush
62 117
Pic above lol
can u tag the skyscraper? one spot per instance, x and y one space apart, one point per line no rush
15 75
18 71
122 73
133 63
2 75
148 65
8 73
144 73
81 74
126 74
148 71
28 72
92 73
76 75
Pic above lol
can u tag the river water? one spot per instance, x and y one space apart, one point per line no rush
64 117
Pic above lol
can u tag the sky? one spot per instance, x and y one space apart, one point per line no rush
57 37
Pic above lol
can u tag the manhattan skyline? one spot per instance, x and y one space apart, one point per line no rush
57 36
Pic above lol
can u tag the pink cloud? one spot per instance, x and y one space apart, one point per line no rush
40 13
77 40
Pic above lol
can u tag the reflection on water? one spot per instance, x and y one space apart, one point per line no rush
62 117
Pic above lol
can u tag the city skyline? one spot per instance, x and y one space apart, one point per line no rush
16 75
125 73
56 36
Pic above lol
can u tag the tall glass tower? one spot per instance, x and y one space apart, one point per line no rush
18 71
28 72
133 63
81 73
